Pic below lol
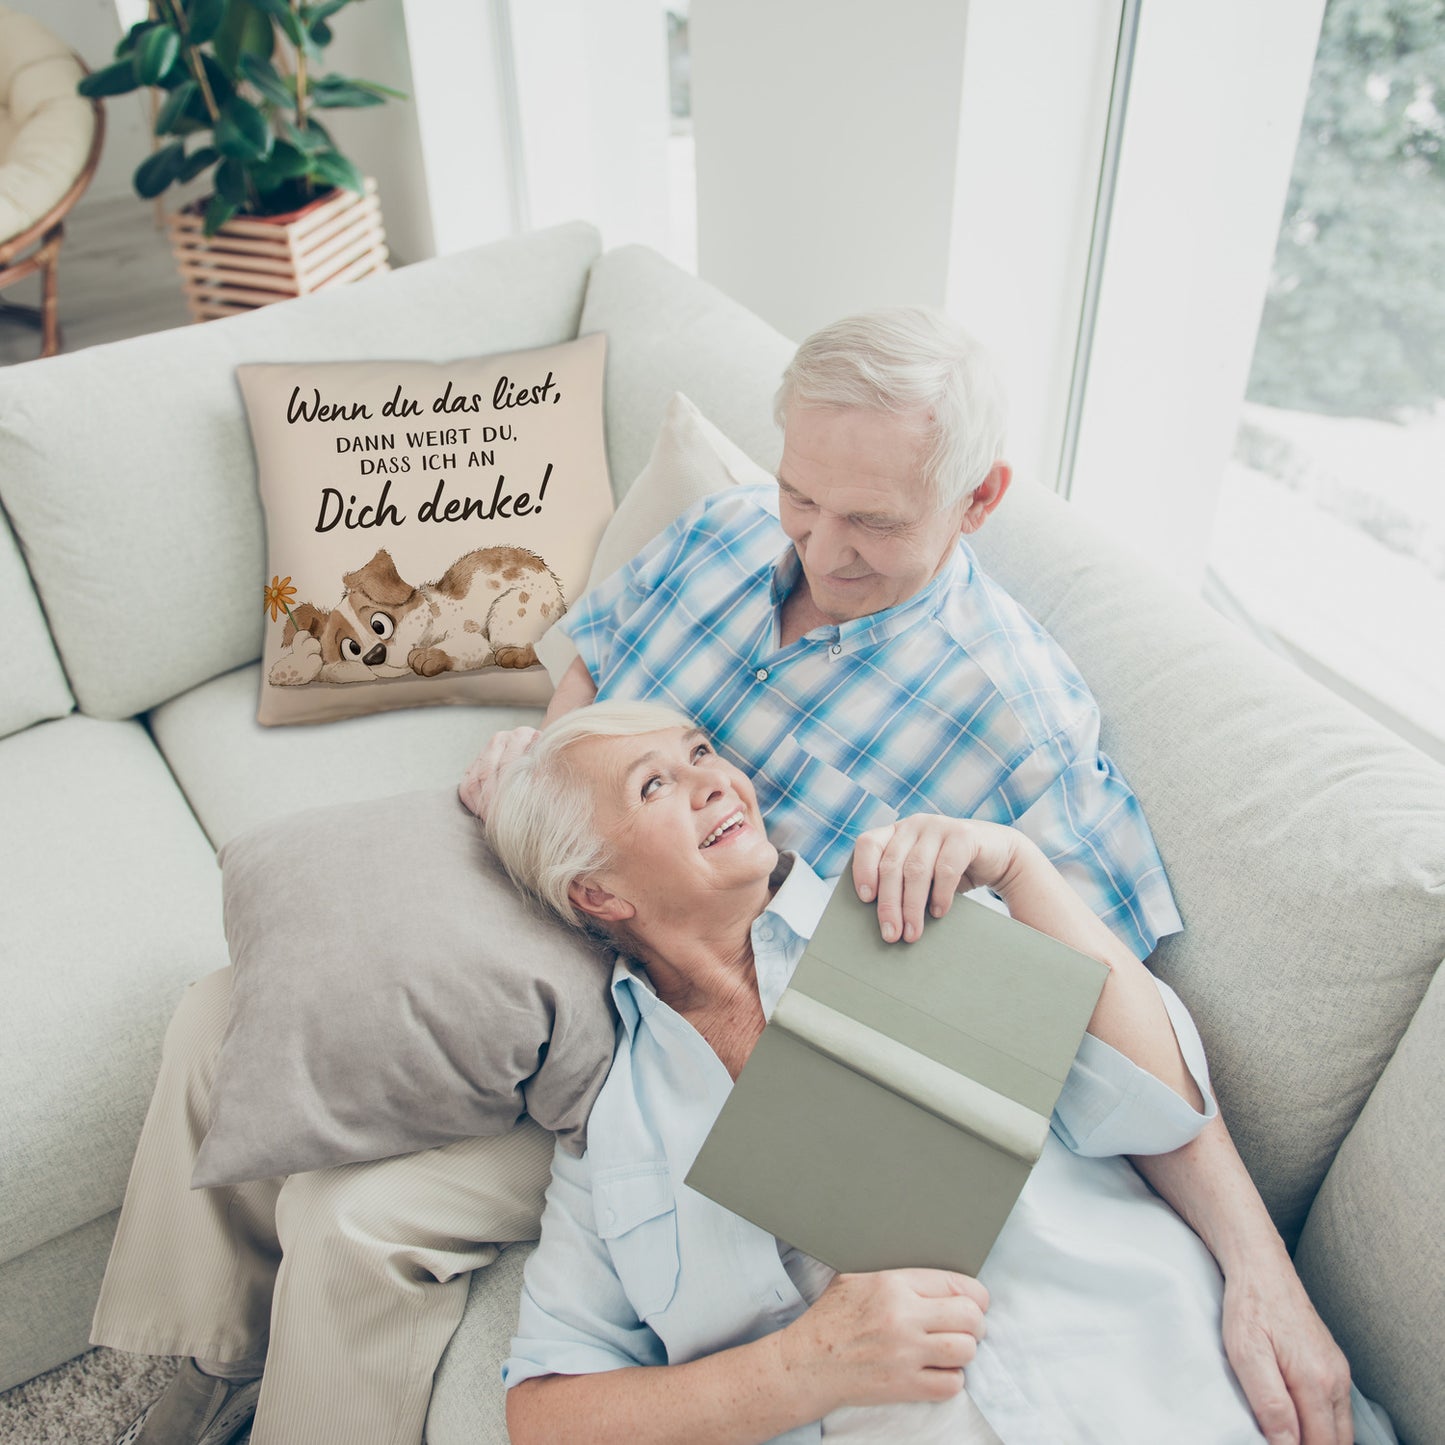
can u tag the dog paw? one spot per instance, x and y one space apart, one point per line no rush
298 664
428 661
516 656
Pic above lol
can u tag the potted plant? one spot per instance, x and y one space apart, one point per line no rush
239 85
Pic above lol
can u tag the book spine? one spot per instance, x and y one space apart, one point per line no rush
953 1097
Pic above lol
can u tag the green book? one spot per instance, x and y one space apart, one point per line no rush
900 1094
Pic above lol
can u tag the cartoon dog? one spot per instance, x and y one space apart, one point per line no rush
487 610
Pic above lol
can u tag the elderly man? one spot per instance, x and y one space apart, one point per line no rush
838 640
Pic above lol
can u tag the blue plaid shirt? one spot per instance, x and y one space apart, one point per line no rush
954 702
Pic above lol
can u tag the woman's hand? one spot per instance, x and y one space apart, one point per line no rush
918 864
475 788
897 1335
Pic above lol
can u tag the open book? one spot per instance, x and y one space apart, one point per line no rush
892 1109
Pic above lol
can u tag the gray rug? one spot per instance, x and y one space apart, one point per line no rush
86 1402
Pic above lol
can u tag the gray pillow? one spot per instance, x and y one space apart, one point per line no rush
393 992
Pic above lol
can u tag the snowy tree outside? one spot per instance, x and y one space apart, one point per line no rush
1331 526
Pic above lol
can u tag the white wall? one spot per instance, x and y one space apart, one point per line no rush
827 148
592 109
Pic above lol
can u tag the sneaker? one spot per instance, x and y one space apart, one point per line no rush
195 1409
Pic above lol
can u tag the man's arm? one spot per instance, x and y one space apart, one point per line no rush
1295 1377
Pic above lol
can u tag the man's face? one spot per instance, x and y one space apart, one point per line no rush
853 501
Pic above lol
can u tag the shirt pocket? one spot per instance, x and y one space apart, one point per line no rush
818 809
636 1211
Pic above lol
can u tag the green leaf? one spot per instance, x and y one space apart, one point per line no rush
244 31
218 212
174 109
242 132
203 19
158 50
333 168
231 182
313 140
285 17
222 85
278 89
320 35
287 163
333 92
324 11
131 38
157 171
197 161
117 79
377 88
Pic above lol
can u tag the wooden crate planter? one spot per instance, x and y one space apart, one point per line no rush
255 260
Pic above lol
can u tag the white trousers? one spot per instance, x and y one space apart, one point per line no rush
350 1281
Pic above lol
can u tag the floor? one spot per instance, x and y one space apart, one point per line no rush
117 279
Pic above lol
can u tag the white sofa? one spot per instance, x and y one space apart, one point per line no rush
1306 846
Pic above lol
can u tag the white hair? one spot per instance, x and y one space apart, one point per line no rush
542 821
908 360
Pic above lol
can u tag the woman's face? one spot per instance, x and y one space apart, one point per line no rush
681 823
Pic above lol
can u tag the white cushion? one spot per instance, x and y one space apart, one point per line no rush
669 332
138 511
111 904
35 687
690 460
45 139
236 773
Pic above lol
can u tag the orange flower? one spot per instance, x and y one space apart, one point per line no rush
277 595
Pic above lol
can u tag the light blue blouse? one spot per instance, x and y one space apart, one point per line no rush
1105 1316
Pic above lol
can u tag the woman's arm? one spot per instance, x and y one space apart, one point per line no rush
903 1334
917 865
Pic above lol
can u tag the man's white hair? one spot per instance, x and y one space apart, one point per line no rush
542 821
908 360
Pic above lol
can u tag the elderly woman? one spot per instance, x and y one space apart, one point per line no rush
653 1314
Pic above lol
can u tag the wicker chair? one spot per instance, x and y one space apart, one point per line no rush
50 140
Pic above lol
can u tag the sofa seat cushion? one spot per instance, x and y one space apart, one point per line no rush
1302 841
669 332
151 554
111 904
236 773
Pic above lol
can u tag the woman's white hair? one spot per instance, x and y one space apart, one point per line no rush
542 821
908 360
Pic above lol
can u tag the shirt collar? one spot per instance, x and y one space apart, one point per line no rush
878 626
782 928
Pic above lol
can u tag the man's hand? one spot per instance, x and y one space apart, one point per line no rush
1295 1377
916 865
475 788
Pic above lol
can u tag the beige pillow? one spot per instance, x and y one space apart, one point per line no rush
426 524
691 459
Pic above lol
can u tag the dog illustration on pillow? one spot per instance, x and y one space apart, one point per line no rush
487 610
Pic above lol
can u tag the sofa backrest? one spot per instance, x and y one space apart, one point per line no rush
1302 841
35 688
128 473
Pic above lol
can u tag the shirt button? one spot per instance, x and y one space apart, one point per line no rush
836 648
765 933
761 674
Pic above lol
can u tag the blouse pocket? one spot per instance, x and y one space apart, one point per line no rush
637 1216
